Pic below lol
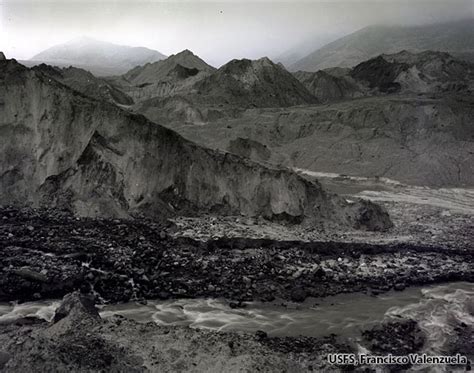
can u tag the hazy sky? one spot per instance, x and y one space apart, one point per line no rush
216 31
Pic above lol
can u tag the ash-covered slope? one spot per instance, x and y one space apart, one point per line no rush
402 73
432 72
456 38
416 140
258 83
179 66
208 94
327 86
66 149
99 57
175 75
86 83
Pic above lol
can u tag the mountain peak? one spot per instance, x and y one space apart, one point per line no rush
184 64
98 57
265 60
185 52
2 56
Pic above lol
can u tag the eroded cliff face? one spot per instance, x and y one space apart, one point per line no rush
65 149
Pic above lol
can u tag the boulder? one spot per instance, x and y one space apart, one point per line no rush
4 356
76 303
298 295
30 274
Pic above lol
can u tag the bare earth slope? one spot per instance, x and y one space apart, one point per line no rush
86 83
404 116
175 75
66 149
208 95
403 72
456 38
421 141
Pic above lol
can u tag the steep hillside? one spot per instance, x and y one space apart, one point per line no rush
99 57
402 73
416 140
248 83
86 83
68 150
175 75
327 87
178 66
210 95
456 38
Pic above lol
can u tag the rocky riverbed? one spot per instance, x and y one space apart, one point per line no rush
46 254
79 340
50 253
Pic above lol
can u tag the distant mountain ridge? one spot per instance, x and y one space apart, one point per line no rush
403 72
457 38
99 57
184 88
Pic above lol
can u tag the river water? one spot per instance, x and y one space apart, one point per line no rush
437 308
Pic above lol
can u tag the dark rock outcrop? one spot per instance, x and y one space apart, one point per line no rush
379 73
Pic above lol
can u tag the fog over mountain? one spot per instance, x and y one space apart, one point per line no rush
454 37
216 31
100 58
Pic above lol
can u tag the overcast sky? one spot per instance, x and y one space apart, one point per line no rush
216 31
